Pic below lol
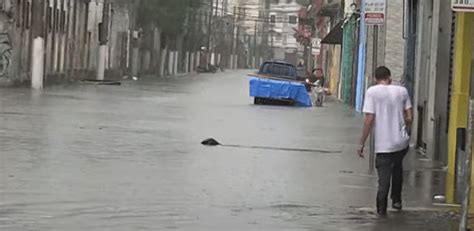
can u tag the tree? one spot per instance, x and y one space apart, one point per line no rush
174 23
304 2
169 16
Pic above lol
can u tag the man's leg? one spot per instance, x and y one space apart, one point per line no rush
397 177
383 164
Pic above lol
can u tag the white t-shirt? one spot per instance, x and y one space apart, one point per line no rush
388 103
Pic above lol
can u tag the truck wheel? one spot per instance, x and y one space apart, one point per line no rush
257 101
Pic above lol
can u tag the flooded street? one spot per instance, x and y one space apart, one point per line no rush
86 157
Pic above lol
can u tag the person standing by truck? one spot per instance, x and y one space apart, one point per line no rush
316 75
319 76
203 56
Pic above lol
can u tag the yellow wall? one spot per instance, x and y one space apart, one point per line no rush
460 93
334 69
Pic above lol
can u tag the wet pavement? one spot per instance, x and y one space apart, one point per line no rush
86 157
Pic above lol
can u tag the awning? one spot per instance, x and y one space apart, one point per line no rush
335 35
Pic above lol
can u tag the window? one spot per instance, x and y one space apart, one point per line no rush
49 19
57 15
19 15
278 37
27 15
289 1
279 69
272 18
293 19
266 68
63 21
279 19
23 14
293 72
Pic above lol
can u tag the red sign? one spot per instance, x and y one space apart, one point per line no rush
374 18
375 12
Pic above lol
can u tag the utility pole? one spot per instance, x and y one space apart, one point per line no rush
209 27
249 52
217 8
309 67
224 8
224 49
266 27
255 43
237 38
309 62
103 40
375 44
134 40
218 37
209 34
37 58
271 43
466 191
361 59
232 46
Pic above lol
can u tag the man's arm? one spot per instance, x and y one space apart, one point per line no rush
368 124
408 119
407 113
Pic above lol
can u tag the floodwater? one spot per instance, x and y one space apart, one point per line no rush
86 157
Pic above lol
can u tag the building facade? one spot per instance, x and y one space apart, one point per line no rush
283 17
70 34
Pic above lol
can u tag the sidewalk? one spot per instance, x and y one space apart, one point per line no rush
423 179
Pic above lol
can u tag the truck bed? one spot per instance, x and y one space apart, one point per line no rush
280 89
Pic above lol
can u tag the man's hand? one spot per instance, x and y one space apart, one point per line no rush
360 151
368 123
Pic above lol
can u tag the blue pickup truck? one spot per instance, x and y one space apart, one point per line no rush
278 83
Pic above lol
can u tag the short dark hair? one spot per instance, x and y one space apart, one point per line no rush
382 73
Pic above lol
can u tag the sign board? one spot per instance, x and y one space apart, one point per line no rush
316 43
375 11
463 5
316 51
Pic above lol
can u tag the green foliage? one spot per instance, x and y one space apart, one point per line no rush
169 15
303 2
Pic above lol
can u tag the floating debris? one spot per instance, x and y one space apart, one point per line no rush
214 142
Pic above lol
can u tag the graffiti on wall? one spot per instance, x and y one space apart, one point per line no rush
5 54
6 15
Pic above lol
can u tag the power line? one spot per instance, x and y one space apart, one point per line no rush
258 19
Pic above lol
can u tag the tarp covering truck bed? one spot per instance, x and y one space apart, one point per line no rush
280 90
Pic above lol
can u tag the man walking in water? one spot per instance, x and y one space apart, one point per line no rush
387 110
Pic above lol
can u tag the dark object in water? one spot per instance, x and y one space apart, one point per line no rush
102 82
214 142
210 142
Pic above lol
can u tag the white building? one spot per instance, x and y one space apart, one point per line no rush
275 26
248 11
283 23
249 20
